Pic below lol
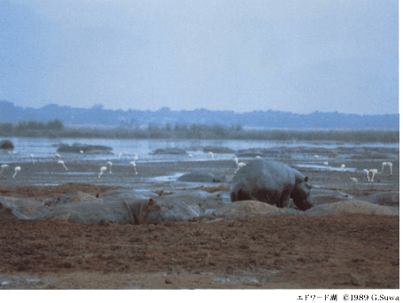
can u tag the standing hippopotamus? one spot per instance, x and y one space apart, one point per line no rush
271 182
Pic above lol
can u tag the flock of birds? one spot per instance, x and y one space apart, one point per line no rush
132 164
370 173
103 169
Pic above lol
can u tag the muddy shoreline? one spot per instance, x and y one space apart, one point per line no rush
267 252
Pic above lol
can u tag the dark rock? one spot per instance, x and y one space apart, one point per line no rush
388 198
129 207
323 196
75 197
252 208
6 144
353 207
170 151
200 177
87 149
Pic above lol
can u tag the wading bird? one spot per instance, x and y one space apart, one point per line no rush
367 172
316 157
354 180
16 169
390 164
373 171
211 154
136 157
109 163
326 163
238 164
61 162
133 164
32 158
58 156
383 166
103 169
390 167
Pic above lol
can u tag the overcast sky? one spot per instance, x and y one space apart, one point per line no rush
295 56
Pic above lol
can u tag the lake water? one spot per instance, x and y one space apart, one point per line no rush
45 149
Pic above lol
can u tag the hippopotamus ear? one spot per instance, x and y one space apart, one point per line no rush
306 179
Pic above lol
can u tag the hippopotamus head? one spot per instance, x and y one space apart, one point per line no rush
301 194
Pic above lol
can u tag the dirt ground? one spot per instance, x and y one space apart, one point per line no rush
273 252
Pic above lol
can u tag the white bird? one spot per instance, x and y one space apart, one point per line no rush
109 163
16 169
390 167
316 156
3 167
103 169
326 163
81 151
342 166
61 162
367 172
133 164
120 155
258 157
390 164
190 156
32 158
373 171
240 164
354 180
136 157
211 154
58 156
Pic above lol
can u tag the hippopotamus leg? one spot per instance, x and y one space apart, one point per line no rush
282 202
240 195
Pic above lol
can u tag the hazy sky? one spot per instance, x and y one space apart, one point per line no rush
296 56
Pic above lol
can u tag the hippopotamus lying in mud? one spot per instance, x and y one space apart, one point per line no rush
271 182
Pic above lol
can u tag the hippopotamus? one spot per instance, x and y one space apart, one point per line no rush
271 182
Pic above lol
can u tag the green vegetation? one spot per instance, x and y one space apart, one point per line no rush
56 129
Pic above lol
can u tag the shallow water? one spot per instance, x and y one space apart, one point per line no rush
45 149
325 168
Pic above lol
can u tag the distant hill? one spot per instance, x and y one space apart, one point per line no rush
256 119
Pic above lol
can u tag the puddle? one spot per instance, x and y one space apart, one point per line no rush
326 168
68 173
168 178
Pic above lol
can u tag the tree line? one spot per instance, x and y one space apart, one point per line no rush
56 129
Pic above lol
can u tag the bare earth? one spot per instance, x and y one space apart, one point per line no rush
273 252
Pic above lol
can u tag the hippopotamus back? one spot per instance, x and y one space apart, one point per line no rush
271 182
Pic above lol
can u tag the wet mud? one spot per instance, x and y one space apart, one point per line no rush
265 252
